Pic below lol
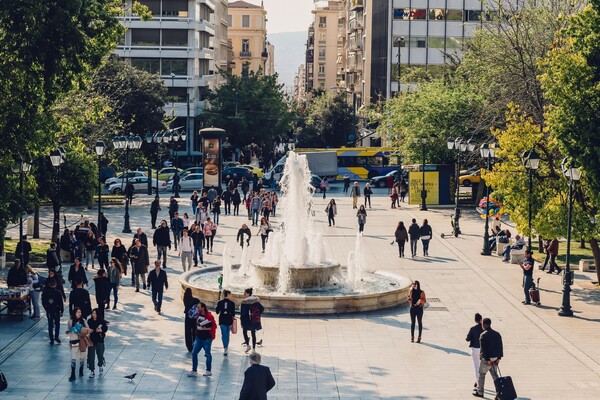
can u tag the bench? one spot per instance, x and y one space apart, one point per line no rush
586 265
500 247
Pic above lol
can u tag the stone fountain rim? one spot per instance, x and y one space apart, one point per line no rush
324 266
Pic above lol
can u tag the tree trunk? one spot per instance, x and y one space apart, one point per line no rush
2 236
596 253
540 245
36 222
56 222
582 244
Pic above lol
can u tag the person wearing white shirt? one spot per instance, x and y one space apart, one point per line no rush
186 248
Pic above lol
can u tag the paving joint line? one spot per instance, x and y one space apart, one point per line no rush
20 341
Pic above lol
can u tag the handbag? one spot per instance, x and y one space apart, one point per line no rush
84 343
234 326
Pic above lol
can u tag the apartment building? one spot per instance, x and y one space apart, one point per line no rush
248 34
184 42
351 50
299 92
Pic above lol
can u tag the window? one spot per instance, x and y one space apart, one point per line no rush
173 65
151 65
174 37
145 37
176 94
410 13
322 22
454 15
436 42
417 41
153 6
399 13
246 45
245 21
454 43
229 20
322 54
175 8
437 14
245 69
323 37
474 15
321 69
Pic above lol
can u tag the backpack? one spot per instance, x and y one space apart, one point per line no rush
193 312
40 283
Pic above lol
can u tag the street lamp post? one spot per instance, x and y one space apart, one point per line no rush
460 145
100 149
400 43
487 151
531 162
423 191
573 174
56 159
173 97
127 143
21 168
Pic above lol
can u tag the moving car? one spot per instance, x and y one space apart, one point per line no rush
469 179
255 170
140 185
192 170
381 181
189 183
168 172
239 171
231 164
122 177
315 182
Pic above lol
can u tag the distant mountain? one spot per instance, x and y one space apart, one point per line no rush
289 54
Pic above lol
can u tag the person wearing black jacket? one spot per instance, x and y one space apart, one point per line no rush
154 209
52 274
99 326
236 199
425 234
17 276
24 254
77 273
198 240
162 240
226 196
157 282
139 234
173 207
473 339
52 301
491 352
258 380
141 260
80 298
244 230
102 287
226 311
102 251
65 246
190 323
52 260
414 231
250 317
120 253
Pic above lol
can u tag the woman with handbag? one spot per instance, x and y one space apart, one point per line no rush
416 300
120 253
78 332
226 311
263 230
425 234
98 327
210 230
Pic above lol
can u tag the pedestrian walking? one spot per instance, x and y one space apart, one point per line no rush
255 207
52 301
394 197
250 316
414 231
154 209
226 312
401 236
35 291
77 329
266 206
98 326
258 380
102 288
139 234
173 207
129 190
177 226
361 214
198 241
80 298
210 231
211 195
201 215
263 230
346 183
236 200
102 225
141 260
226 197
115 273
162 240
324 186
403 190
189 301
244 230
331 211
245 187
389 183
367 192
527 267
187 221
102 251
91 244
491 352
76 272
355 194
206 328
186 248
158 283
52 274
65 247
52 259
216 209
551 253
194 200
473 339
120 253
416 300
425 234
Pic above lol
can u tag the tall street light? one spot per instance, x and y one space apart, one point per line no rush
176 137
573 174
531 162
56 159
400 44
127 143
100 149
487 152
460 145
21 167
423 190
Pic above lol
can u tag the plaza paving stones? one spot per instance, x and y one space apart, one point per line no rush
358 356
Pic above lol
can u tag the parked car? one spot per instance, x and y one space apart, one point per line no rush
381 180
189 182
186 172
140 185
123 177
469 179
165 173
255 170
239 171
231 164
315 182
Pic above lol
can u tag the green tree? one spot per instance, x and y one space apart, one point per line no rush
328 122
251 109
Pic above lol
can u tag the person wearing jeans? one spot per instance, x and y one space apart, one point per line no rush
186 246
425 234
226 311
491 352
52 301
416 300
198 241
255 206
206 328
162 241
157 282
177 228
414 231
473 339
115 271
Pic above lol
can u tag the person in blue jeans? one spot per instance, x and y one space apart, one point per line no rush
527 267
206 328
255 206
52 301
198 240
226 311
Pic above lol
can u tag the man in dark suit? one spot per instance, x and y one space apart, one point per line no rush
141 261
257 380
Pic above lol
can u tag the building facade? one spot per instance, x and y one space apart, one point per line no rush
248 34
185 43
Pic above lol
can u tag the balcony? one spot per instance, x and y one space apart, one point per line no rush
354 25
245 54
356 5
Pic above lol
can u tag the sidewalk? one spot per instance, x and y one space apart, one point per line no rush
358 356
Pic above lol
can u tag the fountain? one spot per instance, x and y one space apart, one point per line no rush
294 275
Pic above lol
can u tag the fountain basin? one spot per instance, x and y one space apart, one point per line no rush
385 290
299 277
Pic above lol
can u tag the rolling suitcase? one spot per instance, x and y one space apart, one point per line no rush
534 293
505 390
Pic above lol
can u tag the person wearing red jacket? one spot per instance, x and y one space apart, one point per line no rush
206 330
